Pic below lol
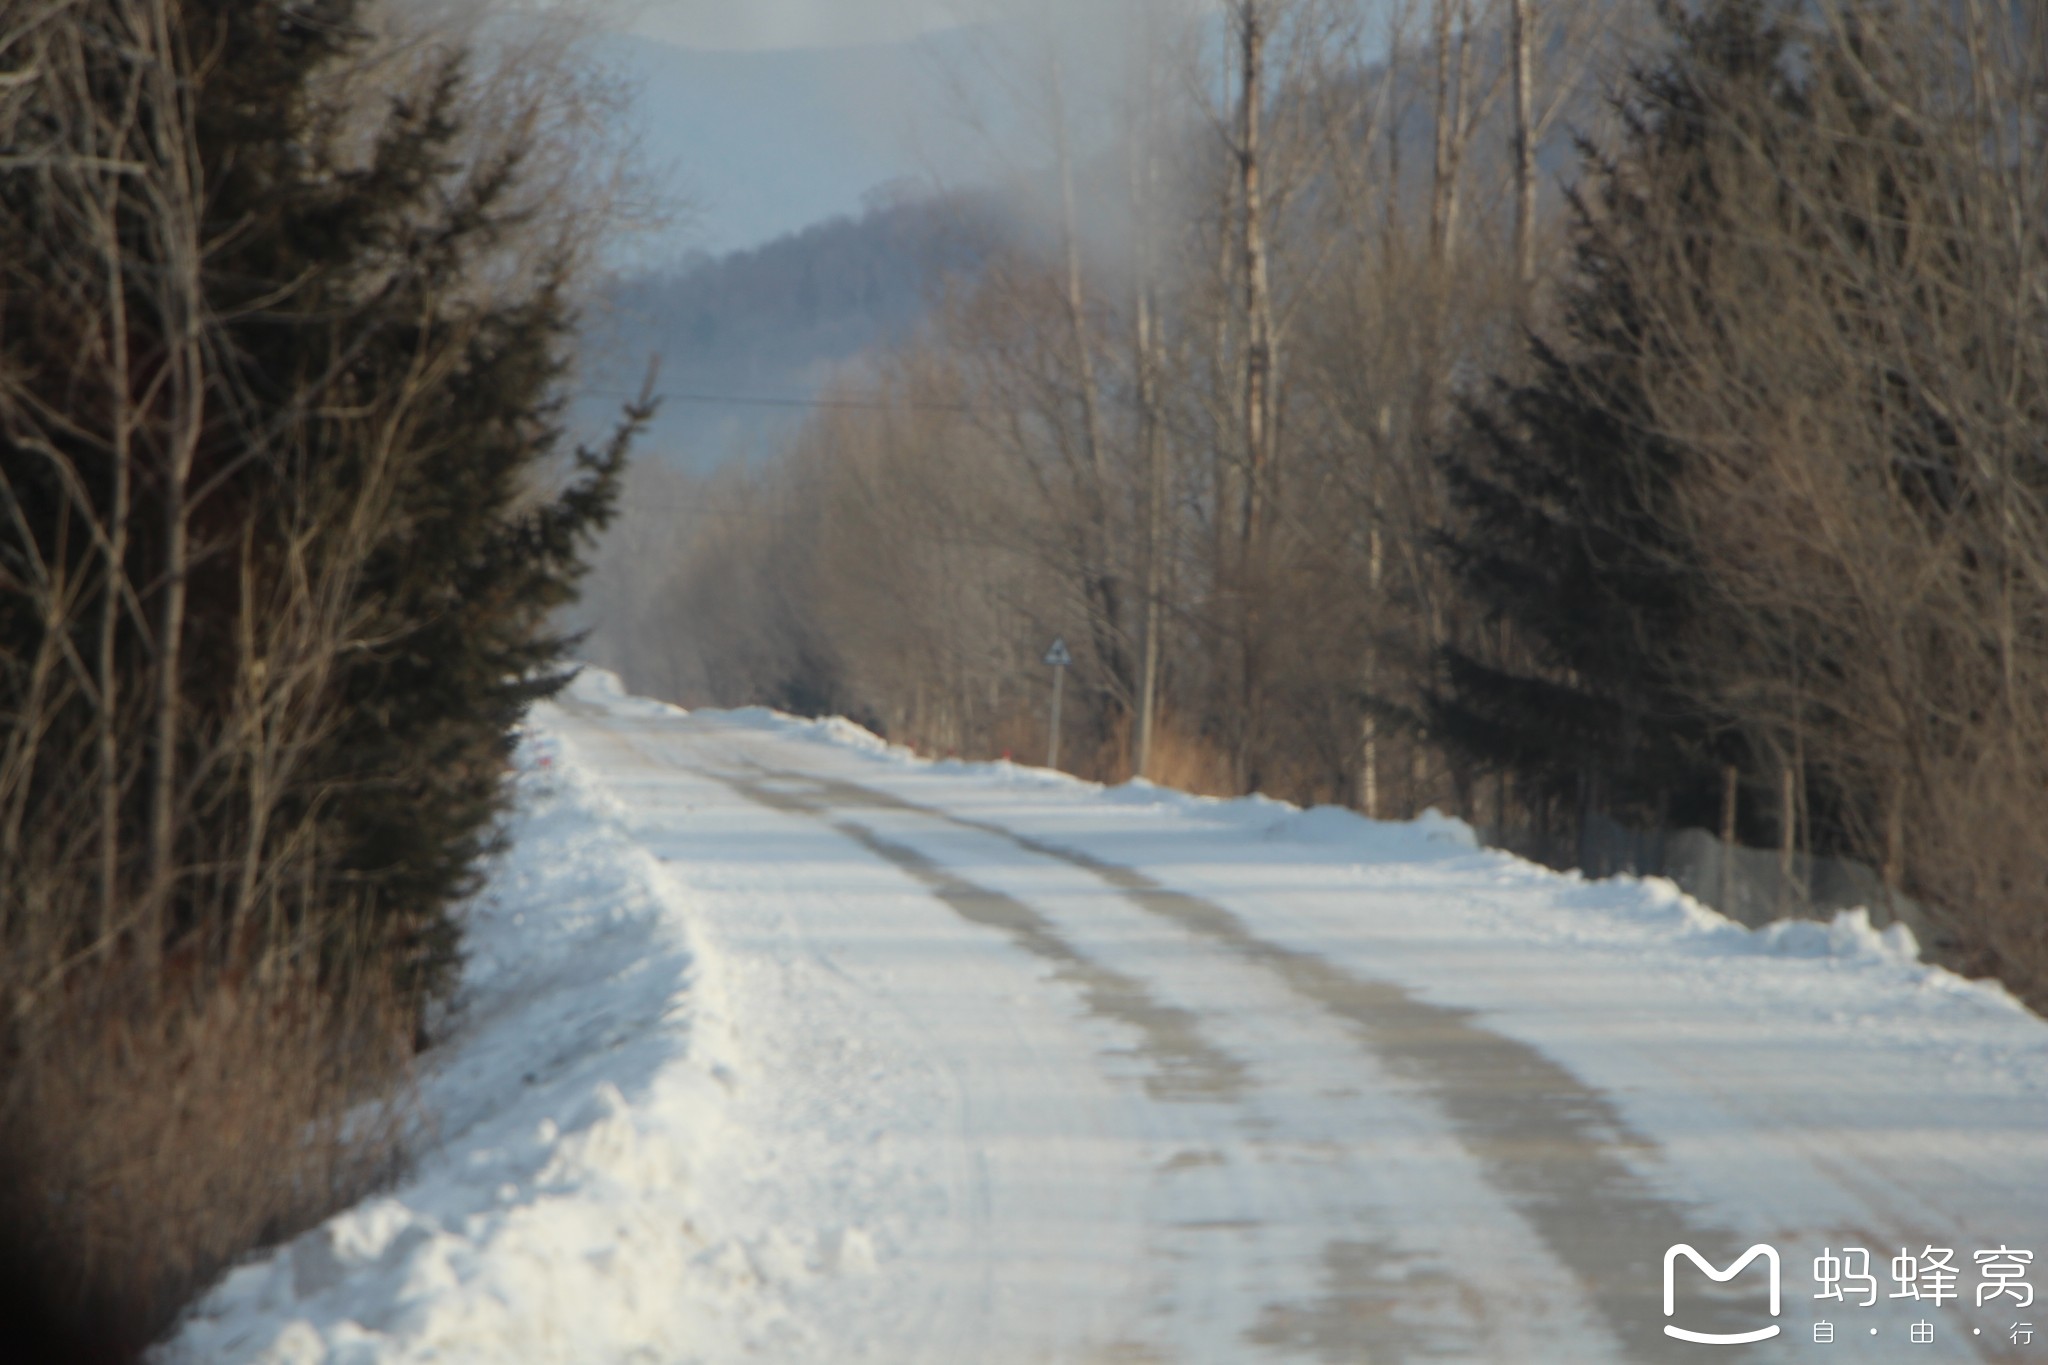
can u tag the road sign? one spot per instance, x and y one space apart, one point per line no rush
1060 660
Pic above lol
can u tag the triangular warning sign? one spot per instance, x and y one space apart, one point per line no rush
1057 656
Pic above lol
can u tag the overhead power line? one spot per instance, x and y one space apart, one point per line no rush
765 401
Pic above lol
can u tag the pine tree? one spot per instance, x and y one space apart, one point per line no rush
285 520
1564 481
466 568
378 404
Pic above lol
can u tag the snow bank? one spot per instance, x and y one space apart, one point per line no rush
552 1217
1429 837
602 687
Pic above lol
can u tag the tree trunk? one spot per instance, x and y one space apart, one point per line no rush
1730 784
176 181
1151 436
1524 151
1788 833
1099 578
1258 308
1894 869
1258 374
114 604
1450 143
1369 728
1390 228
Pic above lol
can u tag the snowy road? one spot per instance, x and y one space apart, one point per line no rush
777 1044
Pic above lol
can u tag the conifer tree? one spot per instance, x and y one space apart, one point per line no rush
1565 482
372 398
284 524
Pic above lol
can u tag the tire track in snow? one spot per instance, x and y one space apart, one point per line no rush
1185 1066
1555 1147
1364 1279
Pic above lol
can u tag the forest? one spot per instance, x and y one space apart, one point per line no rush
1555 412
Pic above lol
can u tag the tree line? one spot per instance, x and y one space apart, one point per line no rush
286 291
1542 410
1767 511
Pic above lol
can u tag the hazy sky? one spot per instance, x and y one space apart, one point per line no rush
768 24
773 114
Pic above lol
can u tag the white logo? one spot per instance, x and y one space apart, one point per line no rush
1671 1255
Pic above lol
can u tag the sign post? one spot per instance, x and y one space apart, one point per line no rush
1059 659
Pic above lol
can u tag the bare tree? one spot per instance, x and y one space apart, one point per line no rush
195 994
1858 400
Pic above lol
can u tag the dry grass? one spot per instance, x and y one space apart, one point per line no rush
1187 762
1974 848
143 1148
1181 759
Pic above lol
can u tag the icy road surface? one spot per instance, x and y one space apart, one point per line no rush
777 1044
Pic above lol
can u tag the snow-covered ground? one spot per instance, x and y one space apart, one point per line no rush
778 1044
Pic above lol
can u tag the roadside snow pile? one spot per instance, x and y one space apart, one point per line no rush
604 687
1433 833
573 1093
1848 934
1334 831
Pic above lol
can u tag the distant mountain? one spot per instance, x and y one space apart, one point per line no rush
743 338
809 151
